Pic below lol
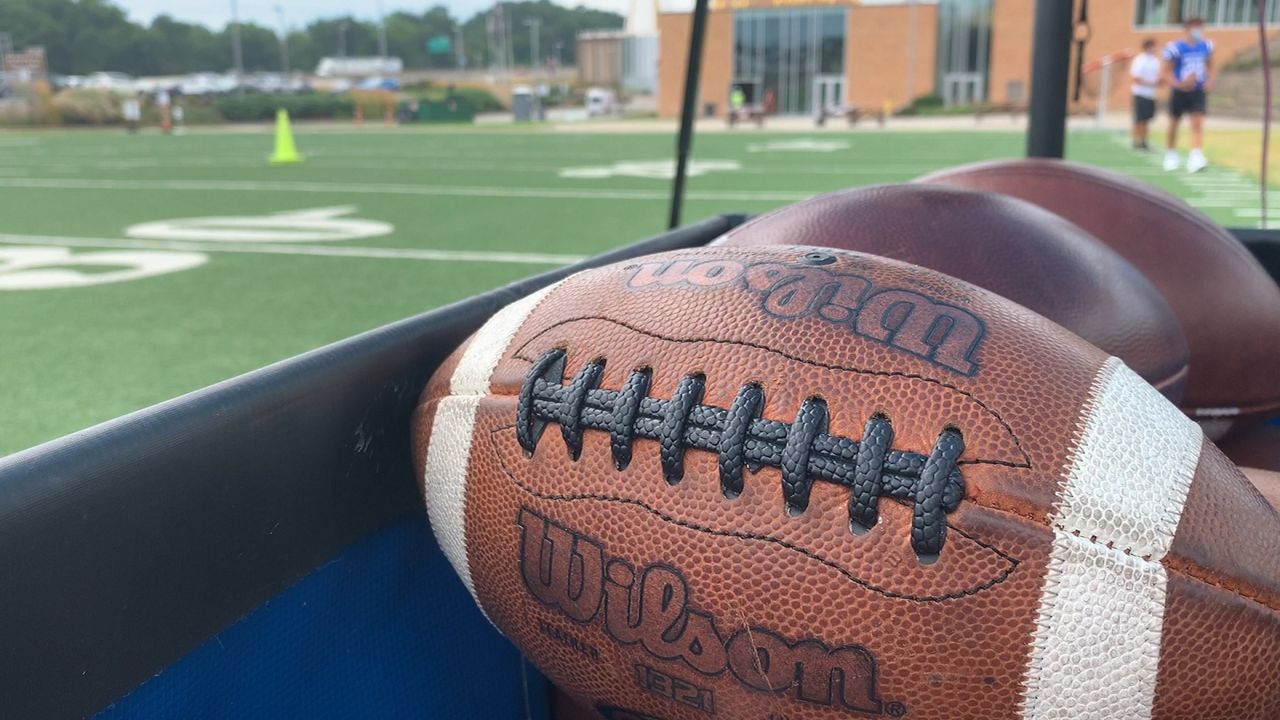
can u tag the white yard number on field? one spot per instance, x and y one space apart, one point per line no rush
43 268
655 169
323 224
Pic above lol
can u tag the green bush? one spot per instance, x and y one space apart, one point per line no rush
482 100
924 105
479 99
256 107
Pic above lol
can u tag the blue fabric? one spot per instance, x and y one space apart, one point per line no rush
1189 59
385 630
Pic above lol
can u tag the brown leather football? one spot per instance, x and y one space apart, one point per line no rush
759 483
1257 447
1228 306
1011 247
1267 482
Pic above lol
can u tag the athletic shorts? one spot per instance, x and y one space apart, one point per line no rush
1182 102
1144 108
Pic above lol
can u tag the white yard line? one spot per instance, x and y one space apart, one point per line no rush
1251 189
390 189
311 250
1256 213
1231 203
1221 185
1214 188
851 168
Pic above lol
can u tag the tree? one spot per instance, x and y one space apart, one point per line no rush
85 36
188 48
558 25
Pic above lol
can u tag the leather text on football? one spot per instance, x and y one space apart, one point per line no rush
651 607
942 334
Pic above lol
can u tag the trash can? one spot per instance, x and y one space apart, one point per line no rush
524 104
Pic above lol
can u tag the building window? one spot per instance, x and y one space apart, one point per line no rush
788 59
964 42
1148 13
831 43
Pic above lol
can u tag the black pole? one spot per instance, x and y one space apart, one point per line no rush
1082 24
1050 68
693 68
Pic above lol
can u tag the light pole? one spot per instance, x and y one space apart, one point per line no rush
237 55
284 42
382 37
534 25
342 38
460 54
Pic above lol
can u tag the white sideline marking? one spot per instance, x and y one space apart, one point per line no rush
375 253
389 189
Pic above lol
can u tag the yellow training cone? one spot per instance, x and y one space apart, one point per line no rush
285 152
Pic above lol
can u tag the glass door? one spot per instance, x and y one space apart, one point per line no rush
828 94
787 50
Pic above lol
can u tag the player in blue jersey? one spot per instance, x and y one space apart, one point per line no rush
1189 71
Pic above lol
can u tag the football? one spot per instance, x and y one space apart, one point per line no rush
1228 306
773 482
1257 447
1005 245
1267 482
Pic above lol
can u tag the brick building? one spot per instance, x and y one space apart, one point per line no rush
805 54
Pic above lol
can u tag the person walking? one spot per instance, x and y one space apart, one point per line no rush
1144 70
1189 71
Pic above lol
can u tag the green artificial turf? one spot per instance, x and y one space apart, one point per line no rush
71 357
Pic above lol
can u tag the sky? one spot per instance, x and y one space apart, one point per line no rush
298 13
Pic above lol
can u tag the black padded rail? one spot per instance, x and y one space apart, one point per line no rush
1265 246
126 545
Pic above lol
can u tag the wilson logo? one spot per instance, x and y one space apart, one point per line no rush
942 334
651 608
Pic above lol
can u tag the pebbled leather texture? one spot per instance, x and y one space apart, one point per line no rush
1227 305
647 598
1005 245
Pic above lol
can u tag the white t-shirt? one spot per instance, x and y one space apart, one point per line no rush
1145 68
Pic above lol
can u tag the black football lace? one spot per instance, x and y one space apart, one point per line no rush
802 449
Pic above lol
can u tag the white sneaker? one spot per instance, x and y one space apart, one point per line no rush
1196 161
1171 161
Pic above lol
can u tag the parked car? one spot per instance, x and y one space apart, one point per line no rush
207 84
112 81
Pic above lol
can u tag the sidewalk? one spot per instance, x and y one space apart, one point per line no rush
994 122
